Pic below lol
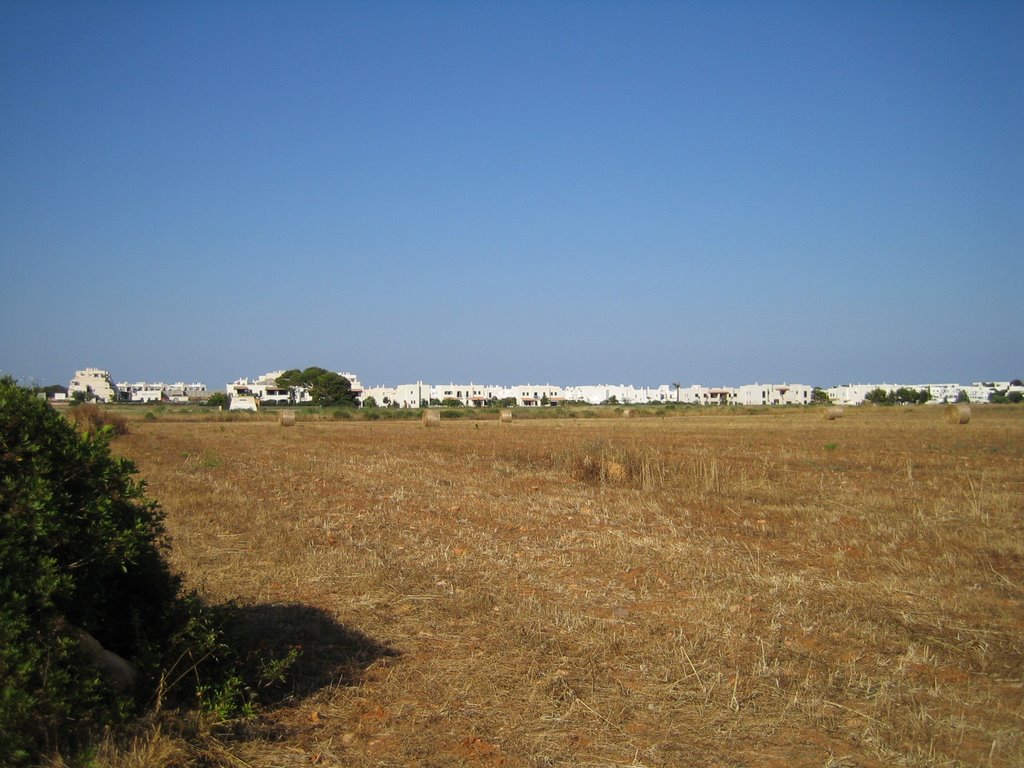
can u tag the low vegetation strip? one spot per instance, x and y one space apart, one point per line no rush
744 589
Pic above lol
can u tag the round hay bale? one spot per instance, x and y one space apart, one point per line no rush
833 413
506 416
287 419
431 418
958 413
628 413
614 471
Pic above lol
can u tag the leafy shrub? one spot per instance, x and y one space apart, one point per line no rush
218 400
82 549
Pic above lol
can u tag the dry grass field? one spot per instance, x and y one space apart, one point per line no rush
711 589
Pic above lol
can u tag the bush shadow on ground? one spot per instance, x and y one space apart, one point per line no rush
329 653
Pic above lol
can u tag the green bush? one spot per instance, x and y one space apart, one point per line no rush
80 547
218 400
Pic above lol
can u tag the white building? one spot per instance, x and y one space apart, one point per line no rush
471 395
404 395
146 392
243 403
94 382
772 394
141 392
467 394
536 395
854 394
268 392
595 394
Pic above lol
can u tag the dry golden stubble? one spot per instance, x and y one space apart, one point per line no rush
783 587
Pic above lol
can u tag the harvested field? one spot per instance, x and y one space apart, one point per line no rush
772 589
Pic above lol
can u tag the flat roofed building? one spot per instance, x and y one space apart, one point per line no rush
93 382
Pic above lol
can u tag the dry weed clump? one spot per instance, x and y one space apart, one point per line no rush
89 417
770 589
602 462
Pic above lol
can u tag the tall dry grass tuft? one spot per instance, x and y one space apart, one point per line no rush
89 417
603 462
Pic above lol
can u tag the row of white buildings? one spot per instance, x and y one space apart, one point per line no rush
95 383
533 395
537 395
978 392
264 390
247 395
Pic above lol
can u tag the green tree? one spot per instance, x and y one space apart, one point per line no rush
218 400
51 389
819 395
326 388
880 396
369 402
962 397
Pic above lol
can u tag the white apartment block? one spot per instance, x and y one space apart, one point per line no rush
772 394
268 392
470 395
477 395
536 395
141 392
595 394
948 393
404 395
95 382
945 393
855 394
147 392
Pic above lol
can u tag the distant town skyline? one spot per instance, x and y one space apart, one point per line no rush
362 381
602 192
319 387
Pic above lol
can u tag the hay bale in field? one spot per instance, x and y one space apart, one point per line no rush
287 419
958 413
613 471
431 418
628 413
833 413
506 416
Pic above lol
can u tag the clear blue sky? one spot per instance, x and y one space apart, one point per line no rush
564 192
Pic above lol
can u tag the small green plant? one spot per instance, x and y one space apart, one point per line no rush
830 446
